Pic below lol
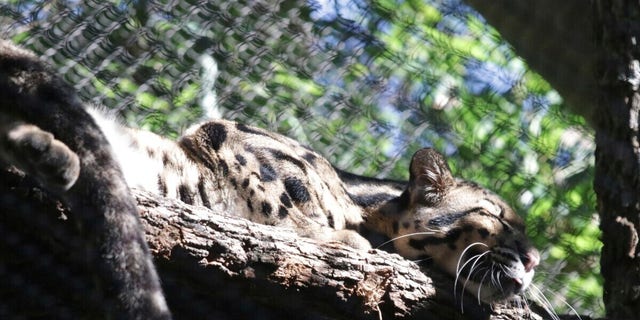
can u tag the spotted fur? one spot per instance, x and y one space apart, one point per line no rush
244 171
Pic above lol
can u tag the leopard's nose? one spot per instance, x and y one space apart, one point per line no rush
531 259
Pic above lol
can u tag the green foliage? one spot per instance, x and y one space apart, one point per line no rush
366 84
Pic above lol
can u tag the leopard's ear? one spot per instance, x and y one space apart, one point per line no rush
430 177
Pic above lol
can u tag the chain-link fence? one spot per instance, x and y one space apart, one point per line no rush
364 83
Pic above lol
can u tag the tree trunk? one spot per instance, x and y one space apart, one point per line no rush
601 79
215 267
618 154
556 40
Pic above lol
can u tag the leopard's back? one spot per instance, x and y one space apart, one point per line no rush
242 171
270 178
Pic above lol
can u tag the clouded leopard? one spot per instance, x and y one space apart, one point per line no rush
91 160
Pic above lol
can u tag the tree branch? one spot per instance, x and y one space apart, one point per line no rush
219 267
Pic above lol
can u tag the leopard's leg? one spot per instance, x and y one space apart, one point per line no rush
349 237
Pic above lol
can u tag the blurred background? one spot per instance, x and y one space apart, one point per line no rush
365 83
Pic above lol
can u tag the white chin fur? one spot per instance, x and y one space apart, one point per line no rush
526 280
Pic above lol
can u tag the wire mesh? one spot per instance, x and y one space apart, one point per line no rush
363 83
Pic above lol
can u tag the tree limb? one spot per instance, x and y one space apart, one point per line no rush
217 267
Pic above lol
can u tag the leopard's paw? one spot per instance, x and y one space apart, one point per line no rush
39 154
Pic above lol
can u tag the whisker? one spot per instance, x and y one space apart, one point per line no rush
526 303
498 283
570 307
406 236
473 266
517 302
455 284
557 297
420 260
520 303
481 282
465 251
459 270
504 269
536 296
493 276
542 299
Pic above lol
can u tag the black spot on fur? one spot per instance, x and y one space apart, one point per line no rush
406 225
162 186
282 212
217 134
203 194
245 183
506 227
484 233
403 201
241 160
420 244
250 205
267 173
279 155
310 157
330 220
266 208
449 219
425 260
246 129
233 182
467 228
296 190
165 159
284 199
366 200
184 194
396 226
450 238
224 167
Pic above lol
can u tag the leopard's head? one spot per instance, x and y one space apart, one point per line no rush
464 229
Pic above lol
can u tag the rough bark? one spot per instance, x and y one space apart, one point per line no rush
215 267
556 40
618 154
